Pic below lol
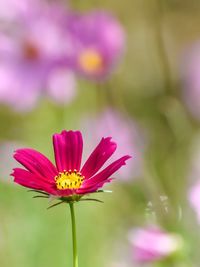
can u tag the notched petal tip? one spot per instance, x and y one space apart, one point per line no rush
16 153
63 132
127 157
21 150
15 172
68 146
109 140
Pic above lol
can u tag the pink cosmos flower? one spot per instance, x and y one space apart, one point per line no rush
153 244
34 49
98 42
67 179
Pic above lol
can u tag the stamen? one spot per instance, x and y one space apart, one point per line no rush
68 180
31 51
91 61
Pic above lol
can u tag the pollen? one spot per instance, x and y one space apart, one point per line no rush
91 61
69 180
30 51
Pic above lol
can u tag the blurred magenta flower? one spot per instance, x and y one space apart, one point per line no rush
127 134
67 179
34 51
153 244
190 68
98 41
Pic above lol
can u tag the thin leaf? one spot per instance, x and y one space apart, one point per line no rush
91 199
103 191
56 204
40 196
38 191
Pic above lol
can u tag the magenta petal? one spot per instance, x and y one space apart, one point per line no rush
93 188
68 148
65 193
106 173
60 151
74 149
31 180
36 163
99 156
142 255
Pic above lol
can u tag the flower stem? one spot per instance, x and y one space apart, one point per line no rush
75 254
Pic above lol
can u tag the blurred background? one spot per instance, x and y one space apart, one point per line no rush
130 70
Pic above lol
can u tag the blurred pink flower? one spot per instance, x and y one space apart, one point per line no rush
127 135
190 68
98 43
194 174
194 198
13 9
153 244
34 51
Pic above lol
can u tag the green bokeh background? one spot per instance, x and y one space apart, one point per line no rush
146 87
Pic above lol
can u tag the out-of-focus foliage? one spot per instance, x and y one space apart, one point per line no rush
147 88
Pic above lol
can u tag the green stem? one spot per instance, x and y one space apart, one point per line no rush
75 254
162 45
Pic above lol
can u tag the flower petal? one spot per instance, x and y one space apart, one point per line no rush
65 192
36 163
16 77
31 180
68 148
62 86
93 188
99 156
105 174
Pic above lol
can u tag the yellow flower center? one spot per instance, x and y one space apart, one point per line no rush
69 180
91 61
